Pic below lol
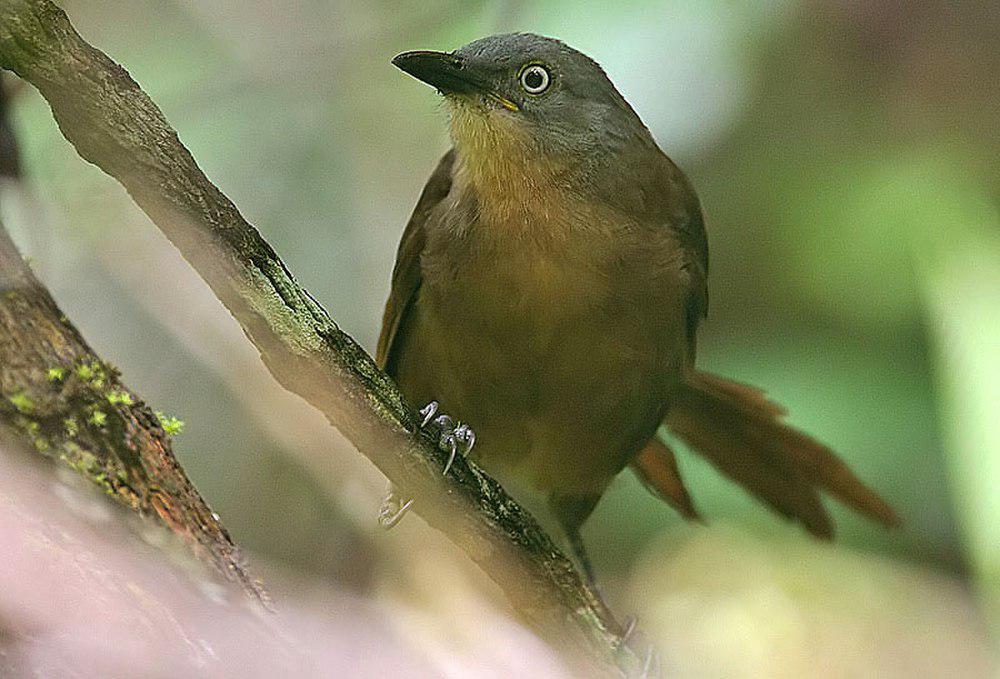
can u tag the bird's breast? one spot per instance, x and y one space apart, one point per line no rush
522 271
551 336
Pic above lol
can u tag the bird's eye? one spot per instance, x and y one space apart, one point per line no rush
535 79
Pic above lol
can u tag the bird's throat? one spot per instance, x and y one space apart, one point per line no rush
497 159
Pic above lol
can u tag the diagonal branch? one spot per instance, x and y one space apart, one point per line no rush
114 125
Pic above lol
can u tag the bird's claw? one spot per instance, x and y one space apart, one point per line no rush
427 412
651 663
391 512
466 438
651 667
630 624
453 437
445 425
458 440
646 666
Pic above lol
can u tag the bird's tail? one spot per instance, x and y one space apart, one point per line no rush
741 433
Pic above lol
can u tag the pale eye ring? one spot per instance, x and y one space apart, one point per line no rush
535 79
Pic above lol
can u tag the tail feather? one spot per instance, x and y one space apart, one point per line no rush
657 468
741 433
749 397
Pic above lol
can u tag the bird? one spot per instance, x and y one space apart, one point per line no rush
547 293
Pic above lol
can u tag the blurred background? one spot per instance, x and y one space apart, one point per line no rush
846 155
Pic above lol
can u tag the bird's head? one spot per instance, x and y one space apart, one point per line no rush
527 94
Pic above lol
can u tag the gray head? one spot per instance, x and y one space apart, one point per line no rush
530 90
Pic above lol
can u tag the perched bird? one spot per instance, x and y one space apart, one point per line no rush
548 290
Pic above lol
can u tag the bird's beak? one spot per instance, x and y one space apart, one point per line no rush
448 73
444 71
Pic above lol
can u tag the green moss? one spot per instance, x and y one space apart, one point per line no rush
98 418
120 398
94 373
87 465
22 402
32 429
56 374
171 425
80 460
91 372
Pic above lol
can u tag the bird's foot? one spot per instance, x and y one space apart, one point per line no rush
393 509
628 630
651 666
453 437
635 640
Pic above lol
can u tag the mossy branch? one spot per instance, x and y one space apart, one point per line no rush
68 404
114 125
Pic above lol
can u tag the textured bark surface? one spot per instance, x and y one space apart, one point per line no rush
114 125
10 159
70 405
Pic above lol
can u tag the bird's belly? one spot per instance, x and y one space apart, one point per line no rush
561 389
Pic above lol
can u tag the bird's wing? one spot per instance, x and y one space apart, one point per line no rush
691 230
674 199
406 273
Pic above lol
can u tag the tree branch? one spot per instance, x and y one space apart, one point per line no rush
114 125
69 404
10 157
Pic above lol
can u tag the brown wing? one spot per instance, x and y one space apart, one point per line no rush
680 204
654 190
406 273
691 230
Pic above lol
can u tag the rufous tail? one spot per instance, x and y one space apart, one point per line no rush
741 433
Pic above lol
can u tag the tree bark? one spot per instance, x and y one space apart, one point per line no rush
114 125
58 396
10 157
67 403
